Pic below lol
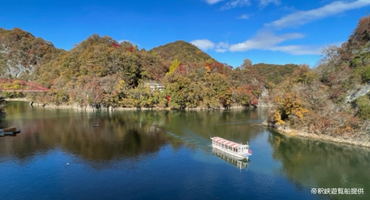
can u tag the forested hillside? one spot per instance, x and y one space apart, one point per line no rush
183 51
21 52
101 72
275 74
98 71
332 99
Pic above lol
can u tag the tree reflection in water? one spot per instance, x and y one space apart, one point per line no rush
322 165
117 137
121 134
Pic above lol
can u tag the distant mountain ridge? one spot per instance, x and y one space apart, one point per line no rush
183 51
21 52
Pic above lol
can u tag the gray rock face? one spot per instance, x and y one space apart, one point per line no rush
262 100
21 52
16 69
353 95
12 65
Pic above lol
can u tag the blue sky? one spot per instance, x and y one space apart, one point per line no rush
264 31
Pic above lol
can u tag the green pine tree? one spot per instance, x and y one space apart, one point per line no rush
2 104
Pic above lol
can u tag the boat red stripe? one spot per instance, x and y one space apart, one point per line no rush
226 142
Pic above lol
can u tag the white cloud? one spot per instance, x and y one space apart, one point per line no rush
267 40
243 16
299 49
203 44
222 47
235 3
264 40
264 3
213 1
304 17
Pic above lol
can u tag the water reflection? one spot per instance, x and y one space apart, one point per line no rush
169 140
196 128
323 165
240 164
117 137
167 153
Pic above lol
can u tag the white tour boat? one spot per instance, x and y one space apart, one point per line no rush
239 151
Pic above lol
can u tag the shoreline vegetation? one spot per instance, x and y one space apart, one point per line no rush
90 108
341 140
283 130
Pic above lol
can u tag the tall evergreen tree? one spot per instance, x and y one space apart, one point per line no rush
2 104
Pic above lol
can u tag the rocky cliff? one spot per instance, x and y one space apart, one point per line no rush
21 52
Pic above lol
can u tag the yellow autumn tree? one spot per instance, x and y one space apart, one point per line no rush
289 106
173 66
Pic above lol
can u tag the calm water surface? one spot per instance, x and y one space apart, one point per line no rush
166 155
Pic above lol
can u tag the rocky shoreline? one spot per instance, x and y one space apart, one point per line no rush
348 140
90 108
282 130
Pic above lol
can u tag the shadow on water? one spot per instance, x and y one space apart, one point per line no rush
117 137
122 134
317 164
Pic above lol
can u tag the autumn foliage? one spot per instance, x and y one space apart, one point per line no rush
290 108
319 100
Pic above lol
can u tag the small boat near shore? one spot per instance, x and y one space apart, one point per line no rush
237 150
9 131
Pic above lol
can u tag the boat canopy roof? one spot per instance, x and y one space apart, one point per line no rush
228 143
